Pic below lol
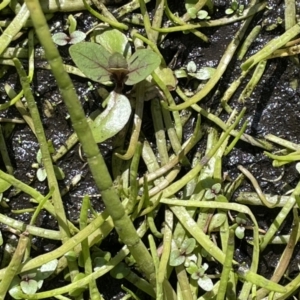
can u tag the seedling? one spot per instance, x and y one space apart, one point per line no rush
74 36
235 7
112 60
62 39
198 273
178 256
203 73
241 220
30 282
41 172
213 192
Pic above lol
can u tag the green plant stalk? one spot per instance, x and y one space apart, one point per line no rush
248 41
245 137
253 199
160 135
270 47
4 4
146 18
33 193
157 20
224 280
231 90
170 100
20 107
13 101
159 287
196 136
59 209
286 255
47 162
137 123
88 269
173 133
4 154
222 66
256 76
104 19
236 139
14 265
280 218
183 281
127 8
133 174
30 55
167 241
123 224
26 24
13 28
256 187
33 230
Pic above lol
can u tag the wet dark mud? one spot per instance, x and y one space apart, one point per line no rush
273 108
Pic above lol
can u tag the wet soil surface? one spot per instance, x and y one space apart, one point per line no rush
272 109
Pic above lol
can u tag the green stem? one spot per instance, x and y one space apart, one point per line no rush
123 224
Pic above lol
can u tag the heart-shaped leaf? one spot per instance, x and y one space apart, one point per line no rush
176 258
205 283
76 37
29 286
92 60
141 64
112 119
60 38
114 40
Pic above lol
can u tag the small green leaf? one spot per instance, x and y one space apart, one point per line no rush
99 262
39 156
202 14
72 23
141 64
193 268
205 283
188 245
92 60
112 119
120 271
77 37
240 232
241 219
60 38
59 173
234 5
41 174
216 221
16 292
113 41
191 67
192 12
49 266
204 73
29 286
229 11
176 258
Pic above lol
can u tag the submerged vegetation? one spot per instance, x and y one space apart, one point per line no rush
178 216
